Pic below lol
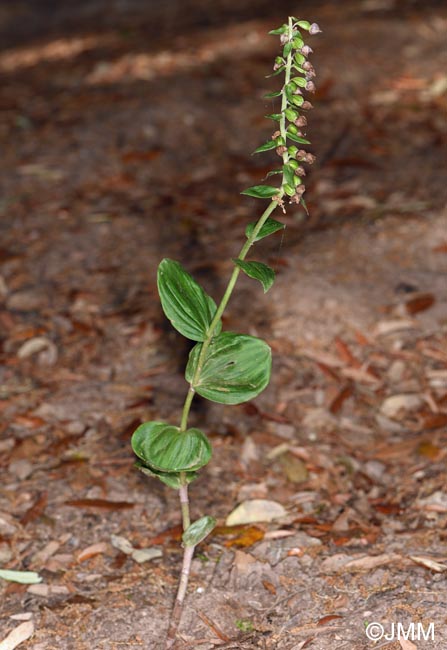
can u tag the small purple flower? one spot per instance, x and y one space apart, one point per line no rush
314 29
306 50
310 87
300 121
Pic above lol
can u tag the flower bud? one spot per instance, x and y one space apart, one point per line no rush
296 198
314 29
306 105
292 151
297 181
310 87
293 165
289 190
301 120
291 114
292 129
306 50
279 141
307 65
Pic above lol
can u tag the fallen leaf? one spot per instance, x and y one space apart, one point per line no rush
419 303
345 353
328 619
246 538
371 562
294 468
429 563
122 544
22 577
141 555
256 510
17 636
32 346
91 551
99 503
396 406
269 586
428 449
384 328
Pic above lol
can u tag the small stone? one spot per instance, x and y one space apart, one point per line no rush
21 469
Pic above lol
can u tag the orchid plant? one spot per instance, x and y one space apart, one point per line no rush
227 367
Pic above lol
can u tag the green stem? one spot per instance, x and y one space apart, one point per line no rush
221 308
184 501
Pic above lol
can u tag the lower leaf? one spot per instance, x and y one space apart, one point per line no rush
197 531
236 368
164 448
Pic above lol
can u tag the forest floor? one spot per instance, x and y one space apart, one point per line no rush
126 136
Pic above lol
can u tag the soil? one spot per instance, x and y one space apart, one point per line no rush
126 136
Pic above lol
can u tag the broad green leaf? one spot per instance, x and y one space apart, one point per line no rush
271 144
297 100
280 30
170 479
268 228
23 577
274 116
261 191
300 81
296 138
165 448
197 531
304 24
236 368
257 271
276 72
184 302
272 95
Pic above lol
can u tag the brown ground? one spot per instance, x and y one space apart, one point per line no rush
126 133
